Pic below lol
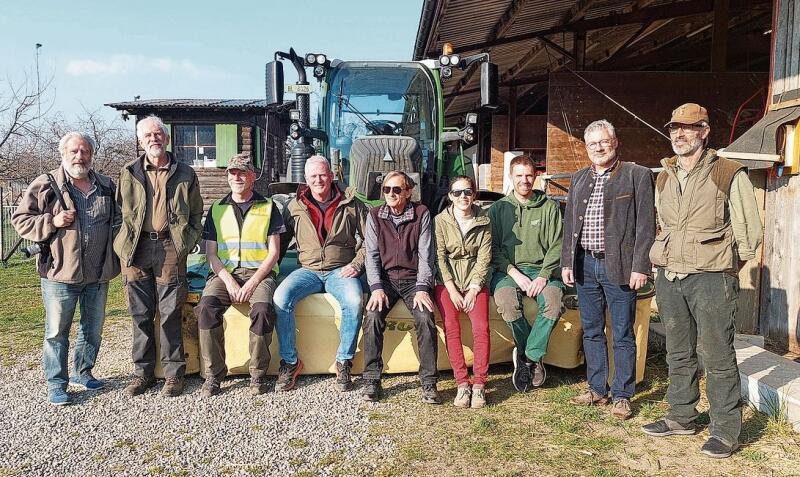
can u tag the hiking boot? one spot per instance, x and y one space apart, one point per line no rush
173 386
478 397
589 398
621 409
522 373
714 447
287 375
538 373
463 396
258 386
430 395
140 384
662 428
58 397
343 380
210 387
371 391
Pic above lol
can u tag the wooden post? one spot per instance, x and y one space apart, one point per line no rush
719 39
512 118
579 46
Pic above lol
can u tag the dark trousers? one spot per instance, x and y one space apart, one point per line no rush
157 279
595 292
424 324
698 314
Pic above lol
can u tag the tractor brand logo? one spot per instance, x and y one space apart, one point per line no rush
404 326
536 222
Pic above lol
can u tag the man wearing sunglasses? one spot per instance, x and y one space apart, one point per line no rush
399 263
709 223
609 226
526 248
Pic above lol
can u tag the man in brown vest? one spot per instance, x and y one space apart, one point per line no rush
709 223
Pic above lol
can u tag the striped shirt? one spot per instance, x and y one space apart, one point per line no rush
593 232
93 212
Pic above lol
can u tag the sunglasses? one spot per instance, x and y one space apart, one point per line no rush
396 189
457 192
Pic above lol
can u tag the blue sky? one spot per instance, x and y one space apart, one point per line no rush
105 51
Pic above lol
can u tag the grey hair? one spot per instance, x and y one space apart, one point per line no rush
597 125
317 159
62 143
155 119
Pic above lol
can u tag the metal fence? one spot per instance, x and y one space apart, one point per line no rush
9 236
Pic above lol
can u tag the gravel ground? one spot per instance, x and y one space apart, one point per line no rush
313 430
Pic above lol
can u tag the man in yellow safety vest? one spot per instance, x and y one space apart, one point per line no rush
242 233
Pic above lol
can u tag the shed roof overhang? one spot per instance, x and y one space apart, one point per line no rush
757 148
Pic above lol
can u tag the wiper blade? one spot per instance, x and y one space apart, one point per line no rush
360 115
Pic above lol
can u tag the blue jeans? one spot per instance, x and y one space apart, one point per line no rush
302 283
595 291
60 300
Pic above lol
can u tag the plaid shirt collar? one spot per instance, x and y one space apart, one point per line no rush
407 216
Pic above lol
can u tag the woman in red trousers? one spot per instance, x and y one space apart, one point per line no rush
463 253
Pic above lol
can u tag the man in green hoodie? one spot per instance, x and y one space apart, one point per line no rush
526 249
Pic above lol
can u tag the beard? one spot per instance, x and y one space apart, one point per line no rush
687 148
238 188
77 171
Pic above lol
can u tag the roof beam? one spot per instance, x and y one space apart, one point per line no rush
644 15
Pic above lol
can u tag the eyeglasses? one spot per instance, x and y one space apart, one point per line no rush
395 189
458 192
593 145
675 127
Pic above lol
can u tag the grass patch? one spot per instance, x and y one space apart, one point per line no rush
298 442
22 311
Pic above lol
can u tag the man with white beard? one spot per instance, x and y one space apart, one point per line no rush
76 260
709 225
161 212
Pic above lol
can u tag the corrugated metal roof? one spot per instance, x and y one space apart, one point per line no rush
238 104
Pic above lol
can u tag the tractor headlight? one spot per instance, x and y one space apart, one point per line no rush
444 60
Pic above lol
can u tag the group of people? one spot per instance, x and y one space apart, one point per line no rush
605 245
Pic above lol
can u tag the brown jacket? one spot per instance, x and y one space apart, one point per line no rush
466 258
343 244
696 233
33 220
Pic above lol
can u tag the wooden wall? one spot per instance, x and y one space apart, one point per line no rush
530 137
780 275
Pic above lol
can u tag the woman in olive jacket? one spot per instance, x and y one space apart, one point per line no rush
463 255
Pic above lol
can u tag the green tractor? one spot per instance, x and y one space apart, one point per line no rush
377 116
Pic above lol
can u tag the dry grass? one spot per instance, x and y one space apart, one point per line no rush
540 433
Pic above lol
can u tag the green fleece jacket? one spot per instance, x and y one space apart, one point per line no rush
526 235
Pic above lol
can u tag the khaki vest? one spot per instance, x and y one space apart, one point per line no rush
696 234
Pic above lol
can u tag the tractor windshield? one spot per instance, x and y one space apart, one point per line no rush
380 99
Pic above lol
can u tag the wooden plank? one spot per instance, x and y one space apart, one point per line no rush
780 291
719 39
499 147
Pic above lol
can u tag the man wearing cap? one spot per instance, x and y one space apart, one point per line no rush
161 213
242 233
709 224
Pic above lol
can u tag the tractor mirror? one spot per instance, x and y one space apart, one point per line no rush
488 85
274 82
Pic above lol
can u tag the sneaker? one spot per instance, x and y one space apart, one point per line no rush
173 386
287 375
662 428
522 373
258 386
343 380
140 384
478 398
538 373
621 409
210 387
371 391
87 382
463 396
589 398
714 447
58 397
430 395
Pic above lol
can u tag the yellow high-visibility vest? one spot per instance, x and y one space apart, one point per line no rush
248 249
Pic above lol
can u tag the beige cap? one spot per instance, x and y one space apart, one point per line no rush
240 162
689 113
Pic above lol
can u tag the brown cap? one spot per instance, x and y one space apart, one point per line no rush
689 113
241 162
